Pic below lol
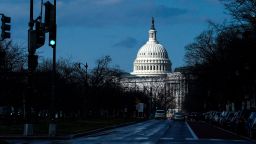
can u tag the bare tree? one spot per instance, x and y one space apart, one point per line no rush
244 11
202 50
13 57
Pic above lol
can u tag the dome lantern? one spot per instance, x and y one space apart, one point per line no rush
152 32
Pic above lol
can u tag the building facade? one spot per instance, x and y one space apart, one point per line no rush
152 73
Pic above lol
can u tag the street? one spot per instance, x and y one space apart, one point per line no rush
149 132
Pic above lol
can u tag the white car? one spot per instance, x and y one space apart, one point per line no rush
160 114
179 116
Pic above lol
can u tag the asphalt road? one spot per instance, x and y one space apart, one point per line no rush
148 132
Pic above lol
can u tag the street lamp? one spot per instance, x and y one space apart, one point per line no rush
86 67
83 97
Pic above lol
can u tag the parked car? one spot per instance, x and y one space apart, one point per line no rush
253 129
216 117
250 125
160 114
194 116
241 120
179 116
227 119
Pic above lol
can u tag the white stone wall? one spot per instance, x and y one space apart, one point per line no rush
172 83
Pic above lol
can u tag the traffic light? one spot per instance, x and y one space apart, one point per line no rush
49 18
6 27
37 36
52 37
40 34
50 23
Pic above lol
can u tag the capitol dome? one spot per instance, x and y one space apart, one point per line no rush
152 58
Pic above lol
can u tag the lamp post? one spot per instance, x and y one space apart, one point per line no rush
86 67
151 102
83 98
86 76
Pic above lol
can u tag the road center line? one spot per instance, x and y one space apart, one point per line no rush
192 132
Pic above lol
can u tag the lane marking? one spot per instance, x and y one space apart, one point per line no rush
190 139
126 132
215 139
141 138
166 138
156 130
92 138
226 140
192 132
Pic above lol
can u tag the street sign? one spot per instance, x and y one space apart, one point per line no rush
140 107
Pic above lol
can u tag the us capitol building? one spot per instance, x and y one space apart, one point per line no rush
152 73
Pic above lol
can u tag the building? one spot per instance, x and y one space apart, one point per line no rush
152 73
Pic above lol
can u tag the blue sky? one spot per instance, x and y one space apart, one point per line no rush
90 29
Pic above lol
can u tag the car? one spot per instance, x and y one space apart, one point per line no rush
179 116
241 120
250 124
160 114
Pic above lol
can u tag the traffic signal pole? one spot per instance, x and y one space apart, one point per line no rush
52 124
36 39
28 126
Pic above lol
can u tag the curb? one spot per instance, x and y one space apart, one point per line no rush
71 136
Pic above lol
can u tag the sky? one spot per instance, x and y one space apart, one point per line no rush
91 29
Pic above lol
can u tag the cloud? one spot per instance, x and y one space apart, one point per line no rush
94 13
107 2
112 12
165 12
19 10
214 2
98 14
128 42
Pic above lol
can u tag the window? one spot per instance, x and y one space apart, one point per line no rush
151 35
